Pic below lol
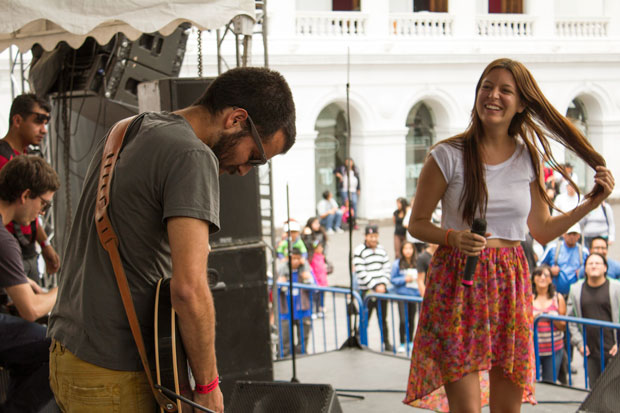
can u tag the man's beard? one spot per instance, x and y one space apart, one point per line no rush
224 148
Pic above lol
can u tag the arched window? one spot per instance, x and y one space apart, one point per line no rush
329 147
576 112
419 139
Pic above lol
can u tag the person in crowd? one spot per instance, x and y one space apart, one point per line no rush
313 232
28 118
565 258
528 250
551 194
599 223
493 171
320 269
548 301
561 180
548 177
330 214
419 245
296 241
348 180
302 310
400 229
597 297
165 204
404 277
423 265
372 271
566 201
27 185
599 245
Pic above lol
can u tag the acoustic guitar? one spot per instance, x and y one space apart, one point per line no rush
174 377
171 366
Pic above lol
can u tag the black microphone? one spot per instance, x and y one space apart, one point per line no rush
479 227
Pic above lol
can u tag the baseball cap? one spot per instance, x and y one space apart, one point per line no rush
294 226
574 228
372 229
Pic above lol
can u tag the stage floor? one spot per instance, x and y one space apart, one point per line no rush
353 369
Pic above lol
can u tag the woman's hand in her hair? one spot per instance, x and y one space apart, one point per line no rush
605 180
469 243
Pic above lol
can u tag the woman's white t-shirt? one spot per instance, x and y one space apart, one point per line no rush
508 187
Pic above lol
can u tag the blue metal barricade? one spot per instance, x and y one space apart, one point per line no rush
336 301
583 322
391 299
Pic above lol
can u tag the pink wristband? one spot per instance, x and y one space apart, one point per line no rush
208 388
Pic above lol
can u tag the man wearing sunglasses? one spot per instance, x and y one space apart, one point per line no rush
27 184
164 204
28 119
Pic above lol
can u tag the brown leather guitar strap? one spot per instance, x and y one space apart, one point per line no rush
109 240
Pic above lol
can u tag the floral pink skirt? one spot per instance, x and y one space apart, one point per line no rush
463 330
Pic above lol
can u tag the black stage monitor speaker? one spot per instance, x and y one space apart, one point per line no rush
605 395
270 397
242 336
114 69
239 195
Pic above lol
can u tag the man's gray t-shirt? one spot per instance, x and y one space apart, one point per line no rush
163 171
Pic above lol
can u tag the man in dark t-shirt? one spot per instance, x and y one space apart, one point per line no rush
164 204
598 298
27 184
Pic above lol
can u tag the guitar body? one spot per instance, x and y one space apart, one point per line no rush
170 360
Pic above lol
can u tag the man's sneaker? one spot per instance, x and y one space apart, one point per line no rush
339 230
329 231
401 349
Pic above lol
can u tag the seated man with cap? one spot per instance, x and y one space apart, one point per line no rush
566 258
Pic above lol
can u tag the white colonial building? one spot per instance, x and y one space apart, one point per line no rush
412 66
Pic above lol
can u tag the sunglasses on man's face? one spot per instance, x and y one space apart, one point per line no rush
259 145
40 117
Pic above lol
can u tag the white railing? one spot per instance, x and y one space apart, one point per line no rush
505 25
347 24
582 27
421 24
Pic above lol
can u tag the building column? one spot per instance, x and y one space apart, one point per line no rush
380 156
464 14
378 13
296 169
611 9
281 17
544 12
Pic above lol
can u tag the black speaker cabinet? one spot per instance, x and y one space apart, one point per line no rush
240 221
605 394
242 338
270 397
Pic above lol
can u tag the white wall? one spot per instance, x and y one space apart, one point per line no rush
575 8
313 5
401 6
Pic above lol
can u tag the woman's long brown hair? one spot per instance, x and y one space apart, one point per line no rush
539 120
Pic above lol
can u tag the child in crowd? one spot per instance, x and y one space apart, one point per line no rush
404 277
302 310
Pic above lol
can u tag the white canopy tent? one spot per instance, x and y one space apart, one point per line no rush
26 22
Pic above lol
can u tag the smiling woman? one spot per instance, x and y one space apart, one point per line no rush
491 171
